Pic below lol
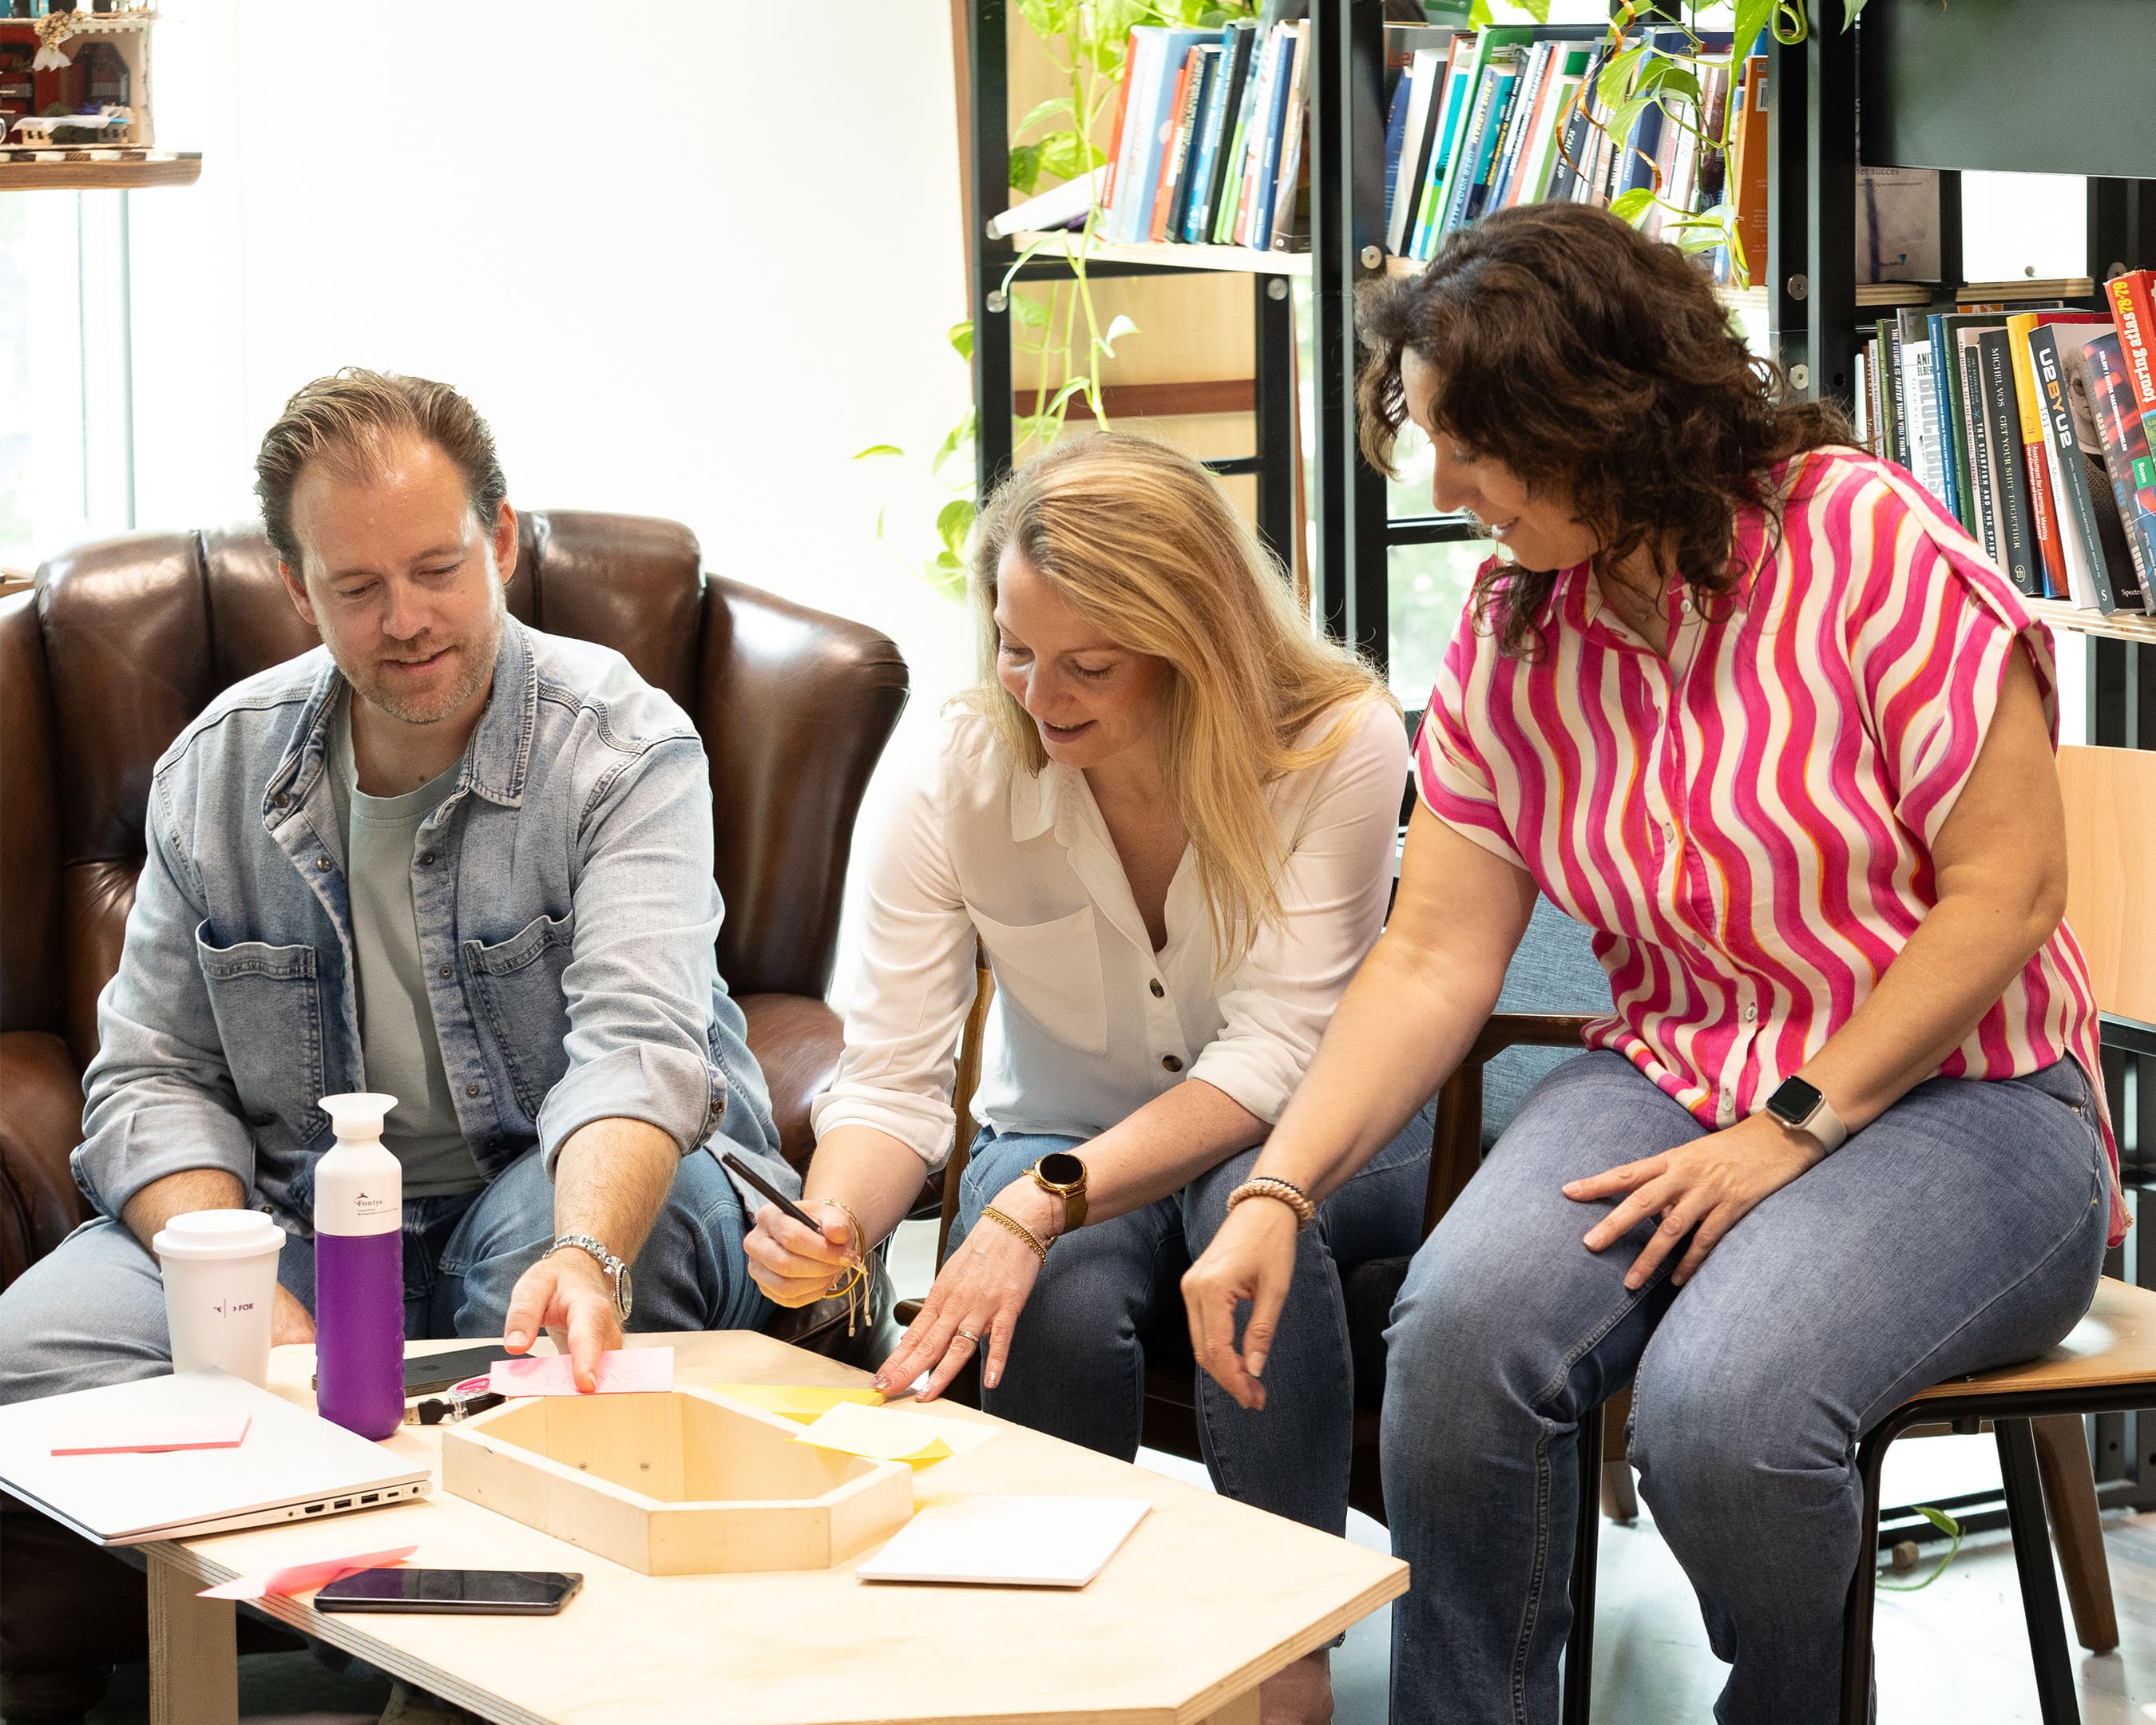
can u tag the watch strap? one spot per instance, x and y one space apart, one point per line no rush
1819 1123
607 1261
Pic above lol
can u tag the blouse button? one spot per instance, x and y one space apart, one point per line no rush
1750 1014
1158 992
1172 1064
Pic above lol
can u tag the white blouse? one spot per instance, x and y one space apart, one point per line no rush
1089 1023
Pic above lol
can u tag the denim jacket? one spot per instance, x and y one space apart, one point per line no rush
567 916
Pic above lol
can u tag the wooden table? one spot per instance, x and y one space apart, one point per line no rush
1208 1599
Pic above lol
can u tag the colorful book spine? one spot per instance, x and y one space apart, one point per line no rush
1254 136
1123 117
2035 439
1269 158
1178 118
1281 230
2132 298
1229 198
2125 457
1525 99
1451 126
2088 578
2017 542
1479 144
1942 360
1977 446
1212 124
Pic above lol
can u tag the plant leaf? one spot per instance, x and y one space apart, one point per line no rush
954 522
1613 84
877 449
1028 312
1752 16
1849 11
1025 168
1664 76
962 433
961 337
1066 155
1630 206
1119 326
1045 110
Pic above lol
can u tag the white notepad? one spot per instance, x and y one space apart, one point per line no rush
1009 1542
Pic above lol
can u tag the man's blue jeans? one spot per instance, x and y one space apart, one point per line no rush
1077 1362
1962 1229
93 1311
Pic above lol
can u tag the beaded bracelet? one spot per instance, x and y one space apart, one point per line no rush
993 1215
1285 1191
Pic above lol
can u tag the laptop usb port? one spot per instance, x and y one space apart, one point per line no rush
371 1497
341 1503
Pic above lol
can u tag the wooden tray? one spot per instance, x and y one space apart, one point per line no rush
689 1482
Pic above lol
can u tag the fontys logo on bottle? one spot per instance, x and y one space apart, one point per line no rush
368 1206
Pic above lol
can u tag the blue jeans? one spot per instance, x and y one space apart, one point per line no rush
1076 1368
1962 1229
93 1311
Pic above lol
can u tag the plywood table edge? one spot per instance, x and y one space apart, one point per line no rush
332 1627
1207 1703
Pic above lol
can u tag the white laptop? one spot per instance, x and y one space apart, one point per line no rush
291 1464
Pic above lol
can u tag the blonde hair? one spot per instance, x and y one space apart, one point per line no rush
1140 540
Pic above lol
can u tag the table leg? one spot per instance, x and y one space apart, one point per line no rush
1242 1710
194 1658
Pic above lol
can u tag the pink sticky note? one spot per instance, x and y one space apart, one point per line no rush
153 1434
623 1371
298 1578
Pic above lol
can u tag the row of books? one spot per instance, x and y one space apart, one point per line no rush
1208 144
2035 428
1508 116
1209 147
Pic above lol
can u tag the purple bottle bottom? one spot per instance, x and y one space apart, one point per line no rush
359 1331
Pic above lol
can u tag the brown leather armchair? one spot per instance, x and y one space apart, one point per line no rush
121 644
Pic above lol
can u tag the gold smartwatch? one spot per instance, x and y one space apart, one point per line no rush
1062 1175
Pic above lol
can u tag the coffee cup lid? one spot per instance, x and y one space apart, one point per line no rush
205 1235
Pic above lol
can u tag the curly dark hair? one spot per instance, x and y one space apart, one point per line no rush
1595 363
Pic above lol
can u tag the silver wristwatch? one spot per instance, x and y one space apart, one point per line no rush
617 1271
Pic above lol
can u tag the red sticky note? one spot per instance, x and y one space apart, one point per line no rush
153 1434
299 1578
623 1371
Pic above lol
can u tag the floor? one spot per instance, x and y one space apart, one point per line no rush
1954 1653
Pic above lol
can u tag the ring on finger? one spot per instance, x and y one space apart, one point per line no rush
970 1336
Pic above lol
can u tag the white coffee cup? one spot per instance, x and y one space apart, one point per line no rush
220 1270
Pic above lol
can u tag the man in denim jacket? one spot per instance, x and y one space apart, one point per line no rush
443 855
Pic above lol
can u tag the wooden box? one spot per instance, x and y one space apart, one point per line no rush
685 1483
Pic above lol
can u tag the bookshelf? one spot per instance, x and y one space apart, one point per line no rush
83 176
1913 67
1351 536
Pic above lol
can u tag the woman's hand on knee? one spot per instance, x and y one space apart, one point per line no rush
1251 1258
972 1309
797 1265
1700 1190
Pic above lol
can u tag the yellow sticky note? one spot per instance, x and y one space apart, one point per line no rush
801 1402
882 1435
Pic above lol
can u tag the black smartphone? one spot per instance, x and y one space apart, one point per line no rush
734 1165
425 1373
509 1593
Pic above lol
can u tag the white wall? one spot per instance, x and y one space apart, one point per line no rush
687 259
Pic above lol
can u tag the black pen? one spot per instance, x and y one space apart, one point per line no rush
734 1165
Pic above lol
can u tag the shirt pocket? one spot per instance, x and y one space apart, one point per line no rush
268 1005
1052 972
517 984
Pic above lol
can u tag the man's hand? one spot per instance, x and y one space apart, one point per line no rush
1703 1189
566 1290
289 1321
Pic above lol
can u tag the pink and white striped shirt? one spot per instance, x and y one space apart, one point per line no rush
1747 826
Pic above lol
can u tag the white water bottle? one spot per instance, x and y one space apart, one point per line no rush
359 1271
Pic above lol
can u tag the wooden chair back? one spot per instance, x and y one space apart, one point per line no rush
2110 798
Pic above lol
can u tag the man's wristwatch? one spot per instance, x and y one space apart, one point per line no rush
1800 1107
1062 1175
617 1271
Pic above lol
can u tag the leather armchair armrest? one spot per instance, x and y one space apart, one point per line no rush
797 1041
1455 1150
40 1125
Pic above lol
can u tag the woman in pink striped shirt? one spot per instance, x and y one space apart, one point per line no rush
1751 706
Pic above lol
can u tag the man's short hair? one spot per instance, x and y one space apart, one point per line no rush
345 418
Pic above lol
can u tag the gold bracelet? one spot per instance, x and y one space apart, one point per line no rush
991 1213
852 1281
1285 1191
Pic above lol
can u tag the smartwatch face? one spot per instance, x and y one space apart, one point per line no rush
1059 1167
1794 1101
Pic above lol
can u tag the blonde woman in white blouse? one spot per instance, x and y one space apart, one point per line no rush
1169 814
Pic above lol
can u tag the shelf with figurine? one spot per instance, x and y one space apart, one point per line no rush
75 99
